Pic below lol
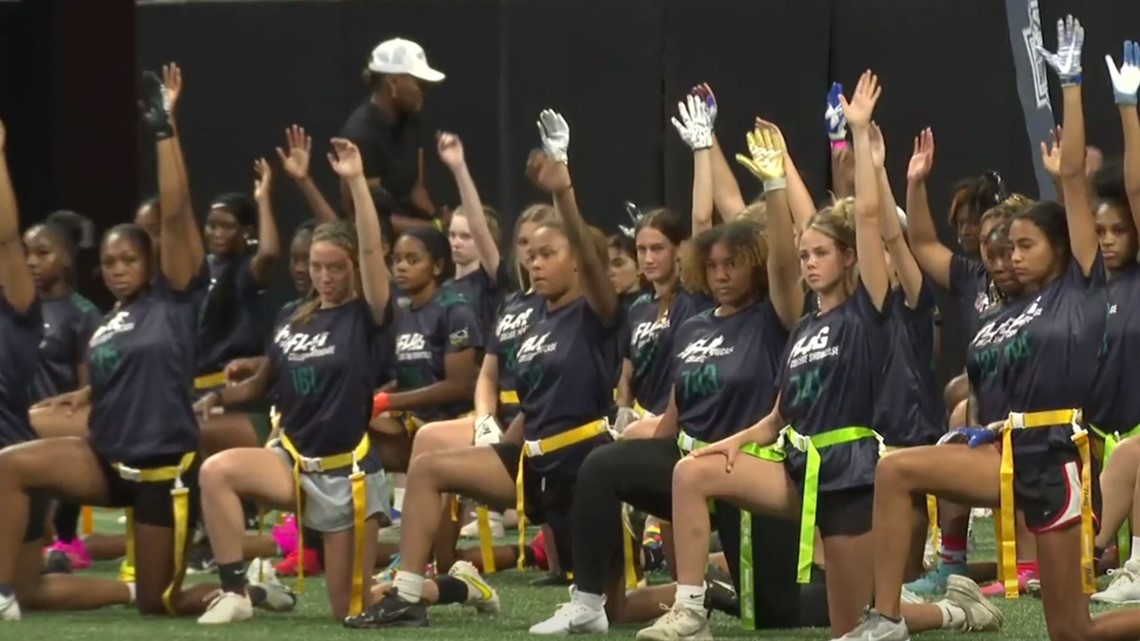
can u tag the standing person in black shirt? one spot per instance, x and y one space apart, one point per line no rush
388 131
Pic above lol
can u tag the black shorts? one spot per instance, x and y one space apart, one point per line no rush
547 500
151 502
1047 488
39 504
845 512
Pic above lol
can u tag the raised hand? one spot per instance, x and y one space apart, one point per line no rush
549 175
1126 79
834 118
555 134
705 92
264 181
295 162
862 104
765 158
3 135
155 105
1067 61
450 150
1051 154
695 126
922 159
878 147
172 81
345 158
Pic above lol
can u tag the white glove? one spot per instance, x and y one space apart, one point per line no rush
625 416
1067 61
695 125
555 134
1126 80
487 430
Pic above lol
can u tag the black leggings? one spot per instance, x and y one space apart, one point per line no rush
640 472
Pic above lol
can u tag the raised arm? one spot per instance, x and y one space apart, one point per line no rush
842 165
910 276
766 161
374 278
268 242
295 162
695 129
549 171
1078 208
868 239
15 280
172 81
451 153
933 257
726 191
1125 84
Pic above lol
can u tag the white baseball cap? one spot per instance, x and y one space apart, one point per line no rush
402 56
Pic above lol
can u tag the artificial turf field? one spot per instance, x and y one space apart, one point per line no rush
522 607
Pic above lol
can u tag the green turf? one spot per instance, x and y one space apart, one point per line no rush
522 607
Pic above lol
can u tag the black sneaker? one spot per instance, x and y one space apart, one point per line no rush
156 106
720 593
56 562
391 611
200 559
551 579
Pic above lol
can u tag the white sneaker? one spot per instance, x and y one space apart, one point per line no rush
910 597
471 530
981 614
679 622
1124 589
227 607
481 596
576 617
278 598
9 609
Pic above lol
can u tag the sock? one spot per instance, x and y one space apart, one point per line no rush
134 593
1027 566
66 522
453 590
953 549
409 586
597 601
398 501
691 596
232 576
1135 549
953 617
6 590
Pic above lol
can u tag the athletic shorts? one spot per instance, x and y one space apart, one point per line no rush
328 498
39 505
151 502
546 499
1047 489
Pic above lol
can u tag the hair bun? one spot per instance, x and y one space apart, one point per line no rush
78 228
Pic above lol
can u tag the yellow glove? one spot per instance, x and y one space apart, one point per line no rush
766 148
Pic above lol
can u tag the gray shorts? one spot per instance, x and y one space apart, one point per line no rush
328 498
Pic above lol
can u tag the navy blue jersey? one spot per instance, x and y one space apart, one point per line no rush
446 324
520 311
231 315
141 363
19 336
325 379
830 380
69 322
910 408
565 372
984 361
483 293
971 284
650 349
725 370
1049 352
1114 405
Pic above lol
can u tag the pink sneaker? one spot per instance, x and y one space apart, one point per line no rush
286 535
996 590
75 551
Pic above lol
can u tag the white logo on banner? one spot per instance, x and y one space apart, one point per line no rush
1032 37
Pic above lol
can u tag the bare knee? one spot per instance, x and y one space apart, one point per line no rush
435 437
957 390
959 416
18 462
219 471
694 474
896 470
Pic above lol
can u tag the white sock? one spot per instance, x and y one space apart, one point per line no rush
691 596
592 601
131 587
410 586
953 617
1135 549
398 500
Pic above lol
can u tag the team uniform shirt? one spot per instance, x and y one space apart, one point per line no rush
565 370
141 364
650 348
726 369
1114 405
971 284
1049 353
231 319
19 336
830 380
446 324
323 385
69 322
910 409
520 311
483 293
984 361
